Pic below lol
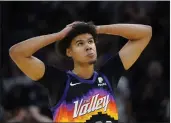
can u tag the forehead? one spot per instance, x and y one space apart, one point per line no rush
84 36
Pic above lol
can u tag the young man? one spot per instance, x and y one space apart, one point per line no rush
82 94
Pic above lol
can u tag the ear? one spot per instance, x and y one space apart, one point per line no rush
68 52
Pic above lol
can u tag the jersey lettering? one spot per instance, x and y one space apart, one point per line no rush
86 106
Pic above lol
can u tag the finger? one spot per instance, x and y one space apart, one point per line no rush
76 22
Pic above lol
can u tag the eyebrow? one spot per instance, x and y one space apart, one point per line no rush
79 40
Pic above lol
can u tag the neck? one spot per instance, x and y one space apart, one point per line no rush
84 71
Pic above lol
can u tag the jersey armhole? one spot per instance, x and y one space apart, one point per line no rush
63 96
108 83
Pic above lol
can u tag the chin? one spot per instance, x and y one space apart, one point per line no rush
92 61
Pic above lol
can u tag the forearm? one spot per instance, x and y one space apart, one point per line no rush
30 46
129 31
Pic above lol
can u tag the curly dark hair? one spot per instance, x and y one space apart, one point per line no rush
77 29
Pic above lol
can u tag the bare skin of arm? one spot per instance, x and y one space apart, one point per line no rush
138 35
22 53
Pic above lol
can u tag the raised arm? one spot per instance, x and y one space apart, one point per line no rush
138 36
21 53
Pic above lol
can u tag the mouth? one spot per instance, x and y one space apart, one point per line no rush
90 54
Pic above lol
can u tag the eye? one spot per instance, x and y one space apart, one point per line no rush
91 41
79 44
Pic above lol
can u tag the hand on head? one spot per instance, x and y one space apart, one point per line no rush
68 28
74 23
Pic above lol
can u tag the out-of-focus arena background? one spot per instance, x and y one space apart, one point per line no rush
143 91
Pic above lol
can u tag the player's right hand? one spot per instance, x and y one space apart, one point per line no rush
68 28
65 31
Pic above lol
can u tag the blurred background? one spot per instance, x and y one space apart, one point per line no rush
143 91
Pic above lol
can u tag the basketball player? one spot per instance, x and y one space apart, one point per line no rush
82 94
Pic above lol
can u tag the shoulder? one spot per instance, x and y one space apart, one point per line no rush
54 71
53 75
113 68
112 63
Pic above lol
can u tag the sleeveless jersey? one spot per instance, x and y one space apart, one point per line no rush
86 101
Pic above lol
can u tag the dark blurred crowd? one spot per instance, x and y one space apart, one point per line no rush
143 91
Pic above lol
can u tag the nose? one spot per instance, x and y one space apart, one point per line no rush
88 48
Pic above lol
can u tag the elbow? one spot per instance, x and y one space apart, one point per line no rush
148 35
149 31
13 52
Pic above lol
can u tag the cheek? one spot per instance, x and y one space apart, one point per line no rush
94 47
78 51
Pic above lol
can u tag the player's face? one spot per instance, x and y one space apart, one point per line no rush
83 49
